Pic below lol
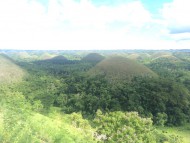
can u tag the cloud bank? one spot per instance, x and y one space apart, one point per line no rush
81 25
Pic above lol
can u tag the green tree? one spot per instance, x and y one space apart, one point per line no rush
160 119
123 127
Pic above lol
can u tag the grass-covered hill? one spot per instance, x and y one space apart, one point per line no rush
46 56
161 55
93 57
141 57
185 56
55 60
116 67
9 70
170 58
133 56
60 57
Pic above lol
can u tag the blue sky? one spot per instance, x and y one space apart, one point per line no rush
154 5
94 24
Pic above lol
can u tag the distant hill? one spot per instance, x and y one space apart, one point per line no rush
185 56
60 57
46 56
168 58
9 70
118 68
160 54
23 55
139 56
134 56
55 60
165 56
93 57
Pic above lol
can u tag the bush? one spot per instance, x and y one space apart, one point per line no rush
123 127
160 119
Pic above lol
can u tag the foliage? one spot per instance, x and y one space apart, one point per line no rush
21 124
148 96
128 127
160 119
123 127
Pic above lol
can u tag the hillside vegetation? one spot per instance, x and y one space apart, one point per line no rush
145 100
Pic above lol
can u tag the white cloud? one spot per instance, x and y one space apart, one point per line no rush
177 15
68 24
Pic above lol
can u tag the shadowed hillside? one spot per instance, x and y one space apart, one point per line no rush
116 67
93 57
9 71
55 60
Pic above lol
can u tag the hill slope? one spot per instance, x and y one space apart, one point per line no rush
60 57
9 71
55 60
117 67
93 57
160 55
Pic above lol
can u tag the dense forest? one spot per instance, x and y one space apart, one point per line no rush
94 96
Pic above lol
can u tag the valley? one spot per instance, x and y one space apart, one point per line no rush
127 96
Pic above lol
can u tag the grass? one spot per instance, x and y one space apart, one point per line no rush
183 131
1 124
51 128
9 71
93 57
117 67
160 54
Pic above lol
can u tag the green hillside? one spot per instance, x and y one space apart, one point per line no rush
141 57
55 60
60 57
116 67
93 57
131 96
134 56
9 71
46 56
169 58
185 56
160 55
23 55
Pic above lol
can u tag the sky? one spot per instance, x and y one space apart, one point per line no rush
94 24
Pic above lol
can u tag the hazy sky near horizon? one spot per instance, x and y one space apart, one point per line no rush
94 24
